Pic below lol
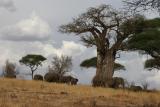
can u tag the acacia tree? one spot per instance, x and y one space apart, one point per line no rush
148 42
105 28
32 61
92 62
143 4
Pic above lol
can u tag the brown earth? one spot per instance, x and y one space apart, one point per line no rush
22 93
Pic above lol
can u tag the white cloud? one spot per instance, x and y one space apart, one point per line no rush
7 4
69 48
32 29
15 50
135 72
154 80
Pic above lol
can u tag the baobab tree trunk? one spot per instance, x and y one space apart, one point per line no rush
105 69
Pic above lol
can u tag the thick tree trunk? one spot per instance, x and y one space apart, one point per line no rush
105 69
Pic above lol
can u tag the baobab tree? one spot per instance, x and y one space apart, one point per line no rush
143 4
107 29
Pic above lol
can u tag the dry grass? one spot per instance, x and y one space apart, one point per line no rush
21 93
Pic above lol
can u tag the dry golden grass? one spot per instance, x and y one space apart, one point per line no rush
21 93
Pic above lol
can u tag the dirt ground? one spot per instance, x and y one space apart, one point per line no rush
21 93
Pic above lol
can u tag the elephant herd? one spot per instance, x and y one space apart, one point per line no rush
117 82
54 77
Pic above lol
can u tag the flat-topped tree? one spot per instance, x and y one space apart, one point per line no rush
32 61
148 42
92 62
105 28
152 64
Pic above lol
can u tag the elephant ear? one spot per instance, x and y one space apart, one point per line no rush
92 62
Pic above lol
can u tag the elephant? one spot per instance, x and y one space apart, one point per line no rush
118 82
38 77
68 80
135 88
74 81
51 77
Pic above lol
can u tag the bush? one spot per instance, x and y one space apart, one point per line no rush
61 65
9 70
38 77
145 86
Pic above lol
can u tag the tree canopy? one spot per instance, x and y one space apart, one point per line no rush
92 62
152 64
106 29
96 26
32 61
148 42
143 4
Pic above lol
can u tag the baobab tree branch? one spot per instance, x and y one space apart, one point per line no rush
143 4
89 40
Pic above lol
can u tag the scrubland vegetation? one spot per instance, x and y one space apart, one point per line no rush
110 31
22 93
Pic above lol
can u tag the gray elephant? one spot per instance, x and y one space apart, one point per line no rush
118 82
38 77
68 80
74 81
51 77
135 88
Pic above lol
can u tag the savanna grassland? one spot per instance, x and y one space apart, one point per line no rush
23 93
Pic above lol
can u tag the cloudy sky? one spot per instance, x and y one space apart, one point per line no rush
31 27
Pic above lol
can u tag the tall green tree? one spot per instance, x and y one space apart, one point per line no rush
148 42
32 61
105 28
